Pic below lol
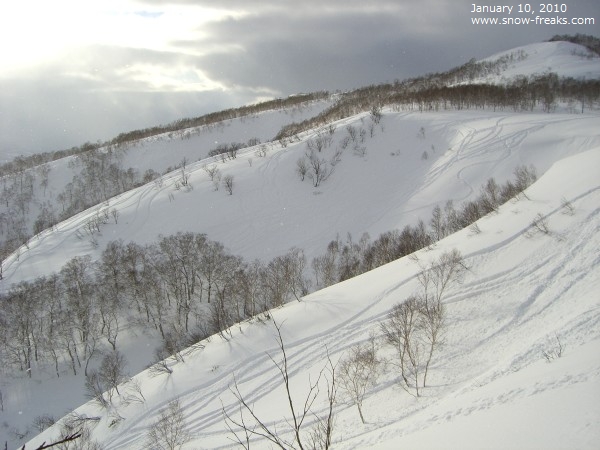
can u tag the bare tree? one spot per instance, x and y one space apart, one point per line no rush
438 224
183 179
211 170
216 181
320 170
244 428
95 389
345 142
360 150
320 142
539 224
178 266
283 278
294 263
358 372
106 379
301 168
525 177
567 209
376 114
44 171
362 134
402 330
442 273
115 214
447 270
415 327
474 228
112 370
169 432
43 422
325 267
352 133
161 364
251 289
79 289
228 184
233 148
490 198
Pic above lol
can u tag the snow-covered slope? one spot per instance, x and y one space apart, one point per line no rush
490 385
170 149
416 162
566 59
160 153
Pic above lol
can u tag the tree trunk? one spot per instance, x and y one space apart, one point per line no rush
360 413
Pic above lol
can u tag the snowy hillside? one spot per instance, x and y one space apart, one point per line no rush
491 386
527 292
56 190
566 59
416 162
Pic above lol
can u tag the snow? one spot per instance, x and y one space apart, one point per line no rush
566 59
490 385
270 207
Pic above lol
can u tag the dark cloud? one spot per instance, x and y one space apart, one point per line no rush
293 52
315 47
259 48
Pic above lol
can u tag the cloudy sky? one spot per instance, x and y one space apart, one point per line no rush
79 70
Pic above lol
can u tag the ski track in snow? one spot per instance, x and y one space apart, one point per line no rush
518 304
526 318
305 353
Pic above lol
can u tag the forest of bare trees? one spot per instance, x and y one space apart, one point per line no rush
187 287
347 258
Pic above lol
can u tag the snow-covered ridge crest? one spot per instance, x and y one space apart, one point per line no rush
565 59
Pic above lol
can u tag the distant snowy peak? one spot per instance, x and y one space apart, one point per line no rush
563 58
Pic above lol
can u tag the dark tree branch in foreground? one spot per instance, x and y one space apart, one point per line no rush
68 438
320 436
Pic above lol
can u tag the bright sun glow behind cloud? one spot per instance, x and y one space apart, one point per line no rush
34 32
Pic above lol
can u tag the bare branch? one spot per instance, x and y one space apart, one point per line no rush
321 433
64 440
